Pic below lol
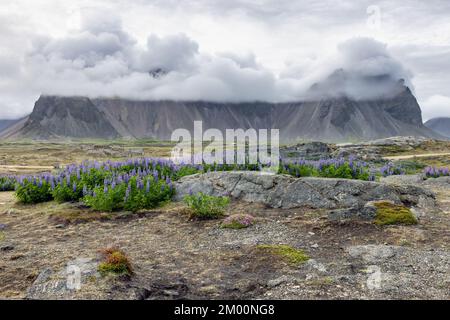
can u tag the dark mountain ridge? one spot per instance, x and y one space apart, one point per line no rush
330 119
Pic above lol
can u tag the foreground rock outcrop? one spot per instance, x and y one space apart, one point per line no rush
282 191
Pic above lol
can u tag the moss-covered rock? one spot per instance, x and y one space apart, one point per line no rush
238 221
285 252
388 213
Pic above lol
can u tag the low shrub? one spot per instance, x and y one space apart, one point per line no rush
7 183
330 168
34 190
115 262
238 221
67 191
434 172
388 213
203 206
392 169
133 196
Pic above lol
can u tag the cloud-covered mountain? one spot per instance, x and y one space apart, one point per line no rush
329 119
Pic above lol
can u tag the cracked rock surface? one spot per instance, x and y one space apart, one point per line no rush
286 192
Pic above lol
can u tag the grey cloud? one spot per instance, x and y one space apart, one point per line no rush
103 59
100 63
176 52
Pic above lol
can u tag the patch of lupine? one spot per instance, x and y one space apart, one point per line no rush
391 169
120 185
95 183
434 172
99 184
238 221
329 168
7 183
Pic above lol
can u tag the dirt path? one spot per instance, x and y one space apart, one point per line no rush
17 169
422 155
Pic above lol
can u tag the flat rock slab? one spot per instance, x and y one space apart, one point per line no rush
65 283
283 191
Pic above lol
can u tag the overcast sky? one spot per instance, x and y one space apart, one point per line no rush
228 50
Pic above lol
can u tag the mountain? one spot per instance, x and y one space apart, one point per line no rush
5 124
439 125
71 117
329 119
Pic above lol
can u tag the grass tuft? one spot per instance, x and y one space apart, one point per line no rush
115 262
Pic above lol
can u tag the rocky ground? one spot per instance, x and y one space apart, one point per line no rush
175 258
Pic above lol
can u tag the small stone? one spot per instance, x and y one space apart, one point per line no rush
60 226
311 233
316 265
171 293
315 246
276 282
2 226
7 247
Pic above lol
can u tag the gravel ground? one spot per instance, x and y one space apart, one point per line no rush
174 258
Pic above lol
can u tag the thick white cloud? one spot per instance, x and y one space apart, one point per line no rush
102 60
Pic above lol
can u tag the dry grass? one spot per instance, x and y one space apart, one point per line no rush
30 157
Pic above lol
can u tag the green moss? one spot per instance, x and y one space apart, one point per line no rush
115 262
2 236
285 252
233 225
320 282
388 213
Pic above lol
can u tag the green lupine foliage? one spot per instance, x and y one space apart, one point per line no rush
31 192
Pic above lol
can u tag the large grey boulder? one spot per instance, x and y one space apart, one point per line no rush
283 191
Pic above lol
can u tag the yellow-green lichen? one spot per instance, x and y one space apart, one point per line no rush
388 213
285 252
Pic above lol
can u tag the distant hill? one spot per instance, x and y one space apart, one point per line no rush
439 125
6 123
329 119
